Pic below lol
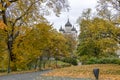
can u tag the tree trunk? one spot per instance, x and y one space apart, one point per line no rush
36 61
44 63
9 59
9 44
56 63
11 56
40 63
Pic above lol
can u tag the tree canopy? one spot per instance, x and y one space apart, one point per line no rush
20 17
109 9
98 38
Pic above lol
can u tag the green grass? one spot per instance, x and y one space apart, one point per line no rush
53 65
48 65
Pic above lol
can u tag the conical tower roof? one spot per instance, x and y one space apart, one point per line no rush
68 24
62 30
74 29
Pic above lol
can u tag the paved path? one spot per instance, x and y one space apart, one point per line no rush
25 76
36 76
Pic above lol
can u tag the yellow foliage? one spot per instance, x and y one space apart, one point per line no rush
97 36
2 25
107 71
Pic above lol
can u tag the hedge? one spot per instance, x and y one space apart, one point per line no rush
103 61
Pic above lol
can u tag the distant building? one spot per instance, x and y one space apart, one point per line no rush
69 29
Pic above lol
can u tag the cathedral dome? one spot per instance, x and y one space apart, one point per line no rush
74 29
62 30
68 24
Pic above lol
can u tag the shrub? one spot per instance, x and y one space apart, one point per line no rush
2 70
103 61
72 61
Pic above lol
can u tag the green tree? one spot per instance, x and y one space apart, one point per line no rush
97 38
71 45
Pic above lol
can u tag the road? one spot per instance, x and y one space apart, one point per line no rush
25 76
36 76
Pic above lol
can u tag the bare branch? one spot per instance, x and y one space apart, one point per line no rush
27 11
12 1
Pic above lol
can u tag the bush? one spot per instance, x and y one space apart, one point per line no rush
63 64
2 70
72 61
103 61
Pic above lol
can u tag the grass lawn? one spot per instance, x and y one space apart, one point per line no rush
107 71
52 65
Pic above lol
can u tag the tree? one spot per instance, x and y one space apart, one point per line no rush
97 38
16 13
29 46
37 43
71 44
115 4
109 9
56 46
3 47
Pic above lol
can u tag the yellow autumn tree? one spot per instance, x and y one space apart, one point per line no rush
18 13
3 47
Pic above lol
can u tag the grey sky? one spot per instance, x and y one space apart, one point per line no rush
76 8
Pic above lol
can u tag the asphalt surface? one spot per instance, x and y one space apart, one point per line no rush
36 76
25 76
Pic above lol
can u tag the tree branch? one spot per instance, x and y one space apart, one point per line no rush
12 1
24 13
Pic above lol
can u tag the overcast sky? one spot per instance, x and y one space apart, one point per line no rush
76 8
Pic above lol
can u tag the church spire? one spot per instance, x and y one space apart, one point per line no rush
61 29
74 29
68 24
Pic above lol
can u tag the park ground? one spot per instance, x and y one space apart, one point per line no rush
82 72
107 71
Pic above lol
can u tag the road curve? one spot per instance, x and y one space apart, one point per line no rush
25 76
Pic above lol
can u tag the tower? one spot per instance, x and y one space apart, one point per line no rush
68 29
